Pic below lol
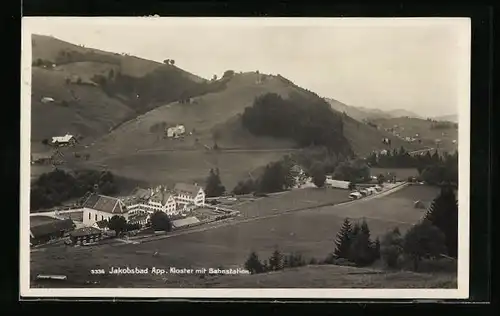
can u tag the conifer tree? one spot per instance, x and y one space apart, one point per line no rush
361 250
253 263
276 261
214 186
343 240
443 213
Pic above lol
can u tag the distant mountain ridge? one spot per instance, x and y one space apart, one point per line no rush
361 113
450 118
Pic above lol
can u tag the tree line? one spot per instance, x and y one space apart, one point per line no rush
158 221
55 187
434 236
308 121
433 168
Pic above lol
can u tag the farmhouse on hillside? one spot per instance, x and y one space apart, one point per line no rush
176 131
100 207
66 140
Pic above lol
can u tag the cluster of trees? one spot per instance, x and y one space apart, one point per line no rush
354 170
228 74
434 236
54 188
41 62
440 172
317 163
277 176
306 120
160 86
214 187
354 245
318 157
159 221
276 262
433 168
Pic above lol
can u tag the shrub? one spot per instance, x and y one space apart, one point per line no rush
423 240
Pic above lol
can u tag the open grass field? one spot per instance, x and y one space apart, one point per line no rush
291 200
402 174
310 232
169 167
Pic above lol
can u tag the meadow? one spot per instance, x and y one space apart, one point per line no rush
169 167
309 232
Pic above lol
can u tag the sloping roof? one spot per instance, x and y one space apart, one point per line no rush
141 193
185 221
84 231
161 197
62 139
105 203
191 189
52 228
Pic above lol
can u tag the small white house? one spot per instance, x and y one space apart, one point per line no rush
176 131
67 139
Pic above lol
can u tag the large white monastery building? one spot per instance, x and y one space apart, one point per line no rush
183 198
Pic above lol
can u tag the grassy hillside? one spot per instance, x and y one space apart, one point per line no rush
85 104
407 126
365 138
140 150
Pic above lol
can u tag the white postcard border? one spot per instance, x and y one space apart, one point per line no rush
463 90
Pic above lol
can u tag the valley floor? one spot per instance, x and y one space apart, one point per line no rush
262 228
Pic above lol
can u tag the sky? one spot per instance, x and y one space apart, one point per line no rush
421 65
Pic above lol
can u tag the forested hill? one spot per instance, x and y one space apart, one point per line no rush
306 119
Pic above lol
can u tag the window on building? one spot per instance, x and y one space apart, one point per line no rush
95 216
89 215
102 217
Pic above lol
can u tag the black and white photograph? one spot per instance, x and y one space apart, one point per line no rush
245 157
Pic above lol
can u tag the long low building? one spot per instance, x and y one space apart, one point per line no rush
337 184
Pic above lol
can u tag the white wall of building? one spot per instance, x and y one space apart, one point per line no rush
90 216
